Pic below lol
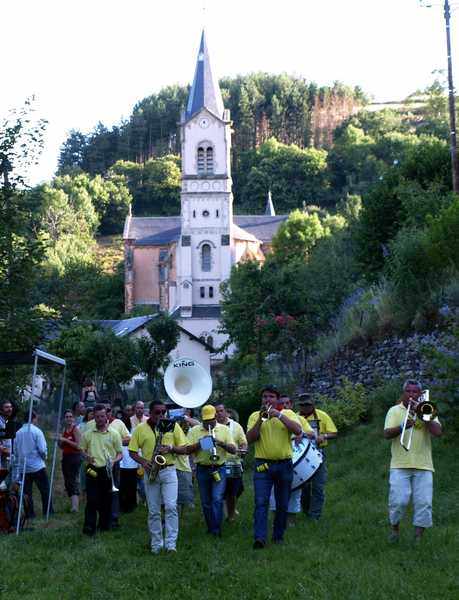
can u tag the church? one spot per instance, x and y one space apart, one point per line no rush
176 264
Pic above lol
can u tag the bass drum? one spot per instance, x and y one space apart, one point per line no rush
306 459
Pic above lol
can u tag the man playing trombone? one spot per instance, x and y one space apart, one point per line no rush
411 466
102 448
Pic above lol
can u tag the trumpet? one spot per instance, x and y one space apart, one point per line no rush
109 468
264 414
424 410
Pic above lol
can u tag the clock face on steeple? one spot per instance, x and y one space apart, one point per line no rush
204 123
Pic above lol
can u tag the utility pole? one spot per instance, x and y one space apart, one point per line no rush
451 102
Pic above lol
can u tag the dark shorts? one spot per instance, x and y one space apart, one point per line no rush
185 488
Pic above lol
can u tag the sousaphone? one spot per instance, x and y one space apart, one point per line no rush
187 383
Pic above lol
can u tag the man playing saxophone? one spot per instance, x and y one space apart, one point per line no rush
159 441
411 467
99 444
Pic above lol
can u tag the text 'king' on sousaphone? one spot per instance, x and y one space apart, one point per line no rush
187 383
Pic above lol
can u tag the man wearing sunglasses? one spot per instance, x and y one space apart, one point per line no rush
149 440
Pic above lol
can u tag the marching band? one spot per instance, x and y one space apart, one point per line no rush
167 452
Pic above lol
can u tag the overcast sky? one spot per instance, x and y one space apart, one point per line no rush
92 60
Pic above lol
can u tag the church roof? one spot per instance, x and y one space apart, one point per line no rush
205 91
263 227
158 231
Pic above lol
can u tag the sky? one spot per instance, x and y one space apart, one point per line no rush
92 60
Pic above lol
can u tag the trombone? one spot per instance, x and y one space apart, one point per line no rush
426 412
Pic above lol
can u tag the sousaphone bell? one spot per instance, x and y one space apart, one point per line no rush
187 383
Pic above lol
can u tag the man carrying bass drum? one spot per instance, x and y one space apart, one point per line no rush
270 430
313 494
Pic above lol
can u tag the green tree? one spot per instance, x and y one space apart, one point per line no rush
152 351
297 236
21 248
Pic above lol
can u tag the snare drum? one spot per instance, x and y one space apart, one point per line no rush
306 459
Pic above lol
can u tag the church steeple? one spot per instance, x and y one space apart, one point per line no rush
205 91
269 210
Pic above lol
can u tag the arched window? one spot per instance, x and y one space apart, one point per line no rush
211 292
209 160
201 160
205 257
202 292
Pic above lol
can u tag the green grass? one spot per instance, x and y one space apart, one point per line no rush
345 556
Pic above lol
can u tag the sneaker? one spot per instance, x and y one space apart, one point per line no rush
156 550
171 550
258 544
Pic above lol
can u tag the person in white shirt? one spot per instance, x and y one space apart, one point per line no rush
30 449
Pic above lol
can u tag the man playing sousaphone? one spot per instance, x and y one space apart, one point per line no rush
271 429
209 443
159 441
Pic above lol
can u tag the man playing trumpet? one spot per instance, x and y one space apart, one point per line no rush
158 460
270 429
411 466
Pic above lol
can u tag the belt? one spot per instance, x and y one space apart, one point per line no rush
210 466
270 460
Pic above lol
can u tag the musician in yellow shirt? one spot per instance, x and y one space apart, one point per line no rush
411 471
210 443
101 448
159 437
313 493
270 430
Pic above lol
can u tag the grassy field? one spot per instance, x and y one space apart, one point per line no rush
346 555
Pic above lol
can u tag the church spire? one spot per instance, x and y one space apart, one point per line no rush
269 210
205 91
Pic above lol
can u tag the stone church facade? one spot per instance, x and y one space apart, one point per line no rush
177 264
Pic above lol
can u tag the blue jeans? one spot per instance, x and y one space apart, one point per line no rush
211 493
313 494
278 474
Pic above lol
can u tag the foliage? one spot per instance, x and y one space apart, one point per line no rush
20 247
152 352
348 408
296 236
95 353
444 371
154 184
295 176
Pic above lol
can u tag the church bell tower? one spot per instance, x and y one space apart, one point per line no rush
205 247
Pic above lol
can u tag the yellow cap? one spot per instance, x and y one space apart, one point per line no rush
208 412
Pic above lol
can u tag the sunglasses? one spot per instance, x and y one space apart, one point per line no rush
159 412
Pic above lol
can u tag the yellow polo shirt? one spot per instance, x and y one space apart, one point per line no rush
116 425
305 425
220 433
326 424
238 435
419 456
144 439
100 444
182 462
275 441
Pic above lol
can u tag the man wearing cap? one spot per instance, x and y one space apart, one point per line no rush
271 429
313 494
209 442
411 472
163 488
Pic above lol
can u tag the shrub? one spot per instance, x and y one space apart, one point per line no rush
350 406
